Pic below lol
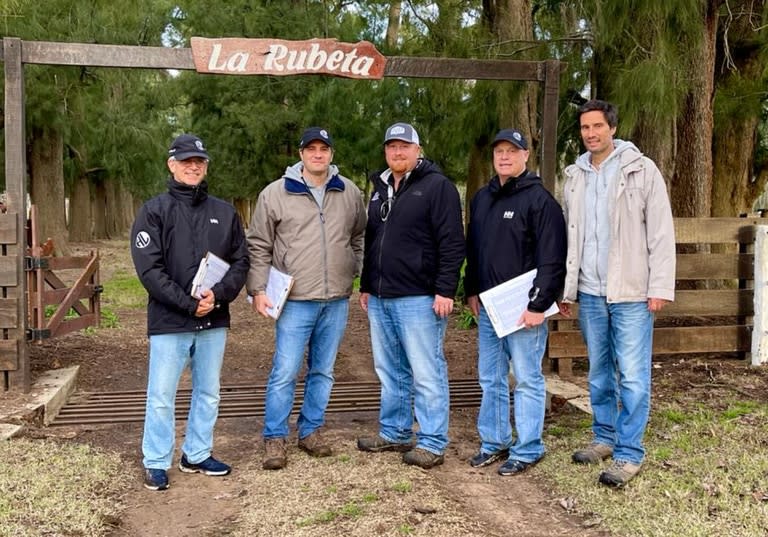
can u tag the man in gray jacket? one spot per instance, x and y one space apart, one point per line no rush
309 224
621 271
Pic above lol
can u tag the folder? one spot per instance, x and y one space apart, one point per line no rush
210 272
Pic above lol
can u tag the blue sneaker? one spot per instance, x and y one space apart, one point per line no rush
155 479
209 466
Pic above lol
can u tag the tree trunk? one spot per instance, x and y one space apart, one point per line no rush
691 193
243 208
478 173
393 25
47 187
99 211
80 215
518 102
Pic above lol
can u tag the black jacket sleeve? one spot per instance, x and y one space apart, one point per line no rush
551 248
448 230
234 280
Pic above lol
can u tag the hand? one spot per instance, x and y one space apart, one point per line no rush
443 306
529 319
473 302
260 304
364 301
206 303
655 304
565 309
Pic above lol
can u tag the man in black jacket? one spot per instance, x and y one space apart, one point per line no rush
414 248
516 226
171 235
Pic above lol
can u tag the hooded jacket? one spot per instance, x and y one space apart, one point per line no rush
171 234
515 228
641 250
418 248
321 247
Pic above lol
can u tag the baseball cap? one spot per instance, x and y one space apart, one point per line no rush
187 146
315 133
403 132
513 136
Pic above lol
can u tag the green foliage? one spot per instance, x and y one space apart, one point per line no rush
402 486
124 290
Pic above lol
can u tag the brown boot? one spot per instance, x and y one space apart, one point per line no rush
274 454
314 445
594 453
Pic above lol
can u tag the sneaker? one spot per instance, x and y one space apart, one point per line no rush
209 466
619 473
514 466
155 479
274 454
594 453
482 458
314 445
375 444
423 458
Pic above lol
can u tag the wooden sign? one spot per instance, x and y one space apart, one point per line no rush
280 57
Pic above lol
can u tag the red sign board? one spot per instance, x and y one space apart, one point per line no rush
239 56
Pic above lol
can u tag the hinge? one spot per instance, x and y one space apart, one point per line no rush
35 263
38 334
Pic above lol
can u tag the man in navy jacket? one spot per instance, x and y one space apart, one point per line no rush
171 234
515 226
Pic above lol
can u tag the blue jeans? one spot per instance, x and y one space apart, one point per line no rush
619 339
169 354
525 350
407 341
318 325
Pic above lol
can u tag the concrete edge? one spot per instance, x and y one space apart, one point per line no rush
574 396
9 430
48 395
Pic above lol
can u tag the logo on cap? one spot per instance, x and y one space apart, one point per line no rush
396 130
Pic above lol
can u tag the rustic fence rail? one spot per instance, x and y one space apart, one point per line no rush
714 303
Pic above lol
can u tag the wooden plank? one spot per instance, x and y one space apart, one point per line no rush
8 228
19 379
716 230
710 302
69 262
72 294
52 53
76 323
464 68
8 268
715 266
9 354
8 313
56 296
679 340
549 124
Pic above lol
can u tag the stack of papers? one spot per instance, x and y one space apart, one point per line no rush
210 272
506 302
279 286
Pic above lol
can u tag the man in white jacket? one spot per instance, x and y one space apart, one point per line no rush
621 271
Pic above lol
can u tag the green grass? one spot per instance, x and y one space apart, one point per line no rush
49 488
124 291
705 474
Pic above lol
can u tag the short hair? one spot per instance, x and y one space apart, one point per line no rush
609 110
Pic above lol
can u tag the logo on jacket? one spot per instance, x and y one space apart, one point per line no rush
375 196
508 215
142 239
214 221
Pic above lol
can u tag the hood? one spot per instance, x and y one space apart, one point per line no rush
619 148
294 172
522 181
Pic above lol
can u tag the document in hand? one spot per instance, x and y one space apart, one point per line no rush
506 302
210 272
278 288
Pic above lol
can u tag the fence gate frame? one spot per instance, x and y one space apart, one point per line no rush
15 53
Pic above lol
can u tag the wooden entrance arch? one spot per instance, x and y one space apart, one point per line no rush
15 53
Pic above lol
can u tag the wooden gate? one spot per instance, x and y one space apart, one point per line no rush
11 288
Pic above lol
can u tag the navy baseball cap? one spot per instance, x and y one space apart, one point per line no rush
513 136
403 132
315 133
187 146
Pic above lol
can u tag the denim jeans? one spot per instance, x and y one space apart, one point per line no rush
169 354
524 349
619 340
317 325
407 341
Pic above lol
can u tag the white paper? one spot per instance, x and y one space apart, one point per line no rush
278 288
506 302
210 272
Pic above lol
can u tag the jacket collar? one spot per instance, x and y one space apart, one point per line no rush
193 195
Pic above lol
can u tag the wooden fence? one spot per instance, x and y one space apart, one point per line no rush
714 303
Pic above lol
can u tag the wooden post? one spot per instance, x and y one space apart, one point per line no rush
549 125
760 330
15 181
